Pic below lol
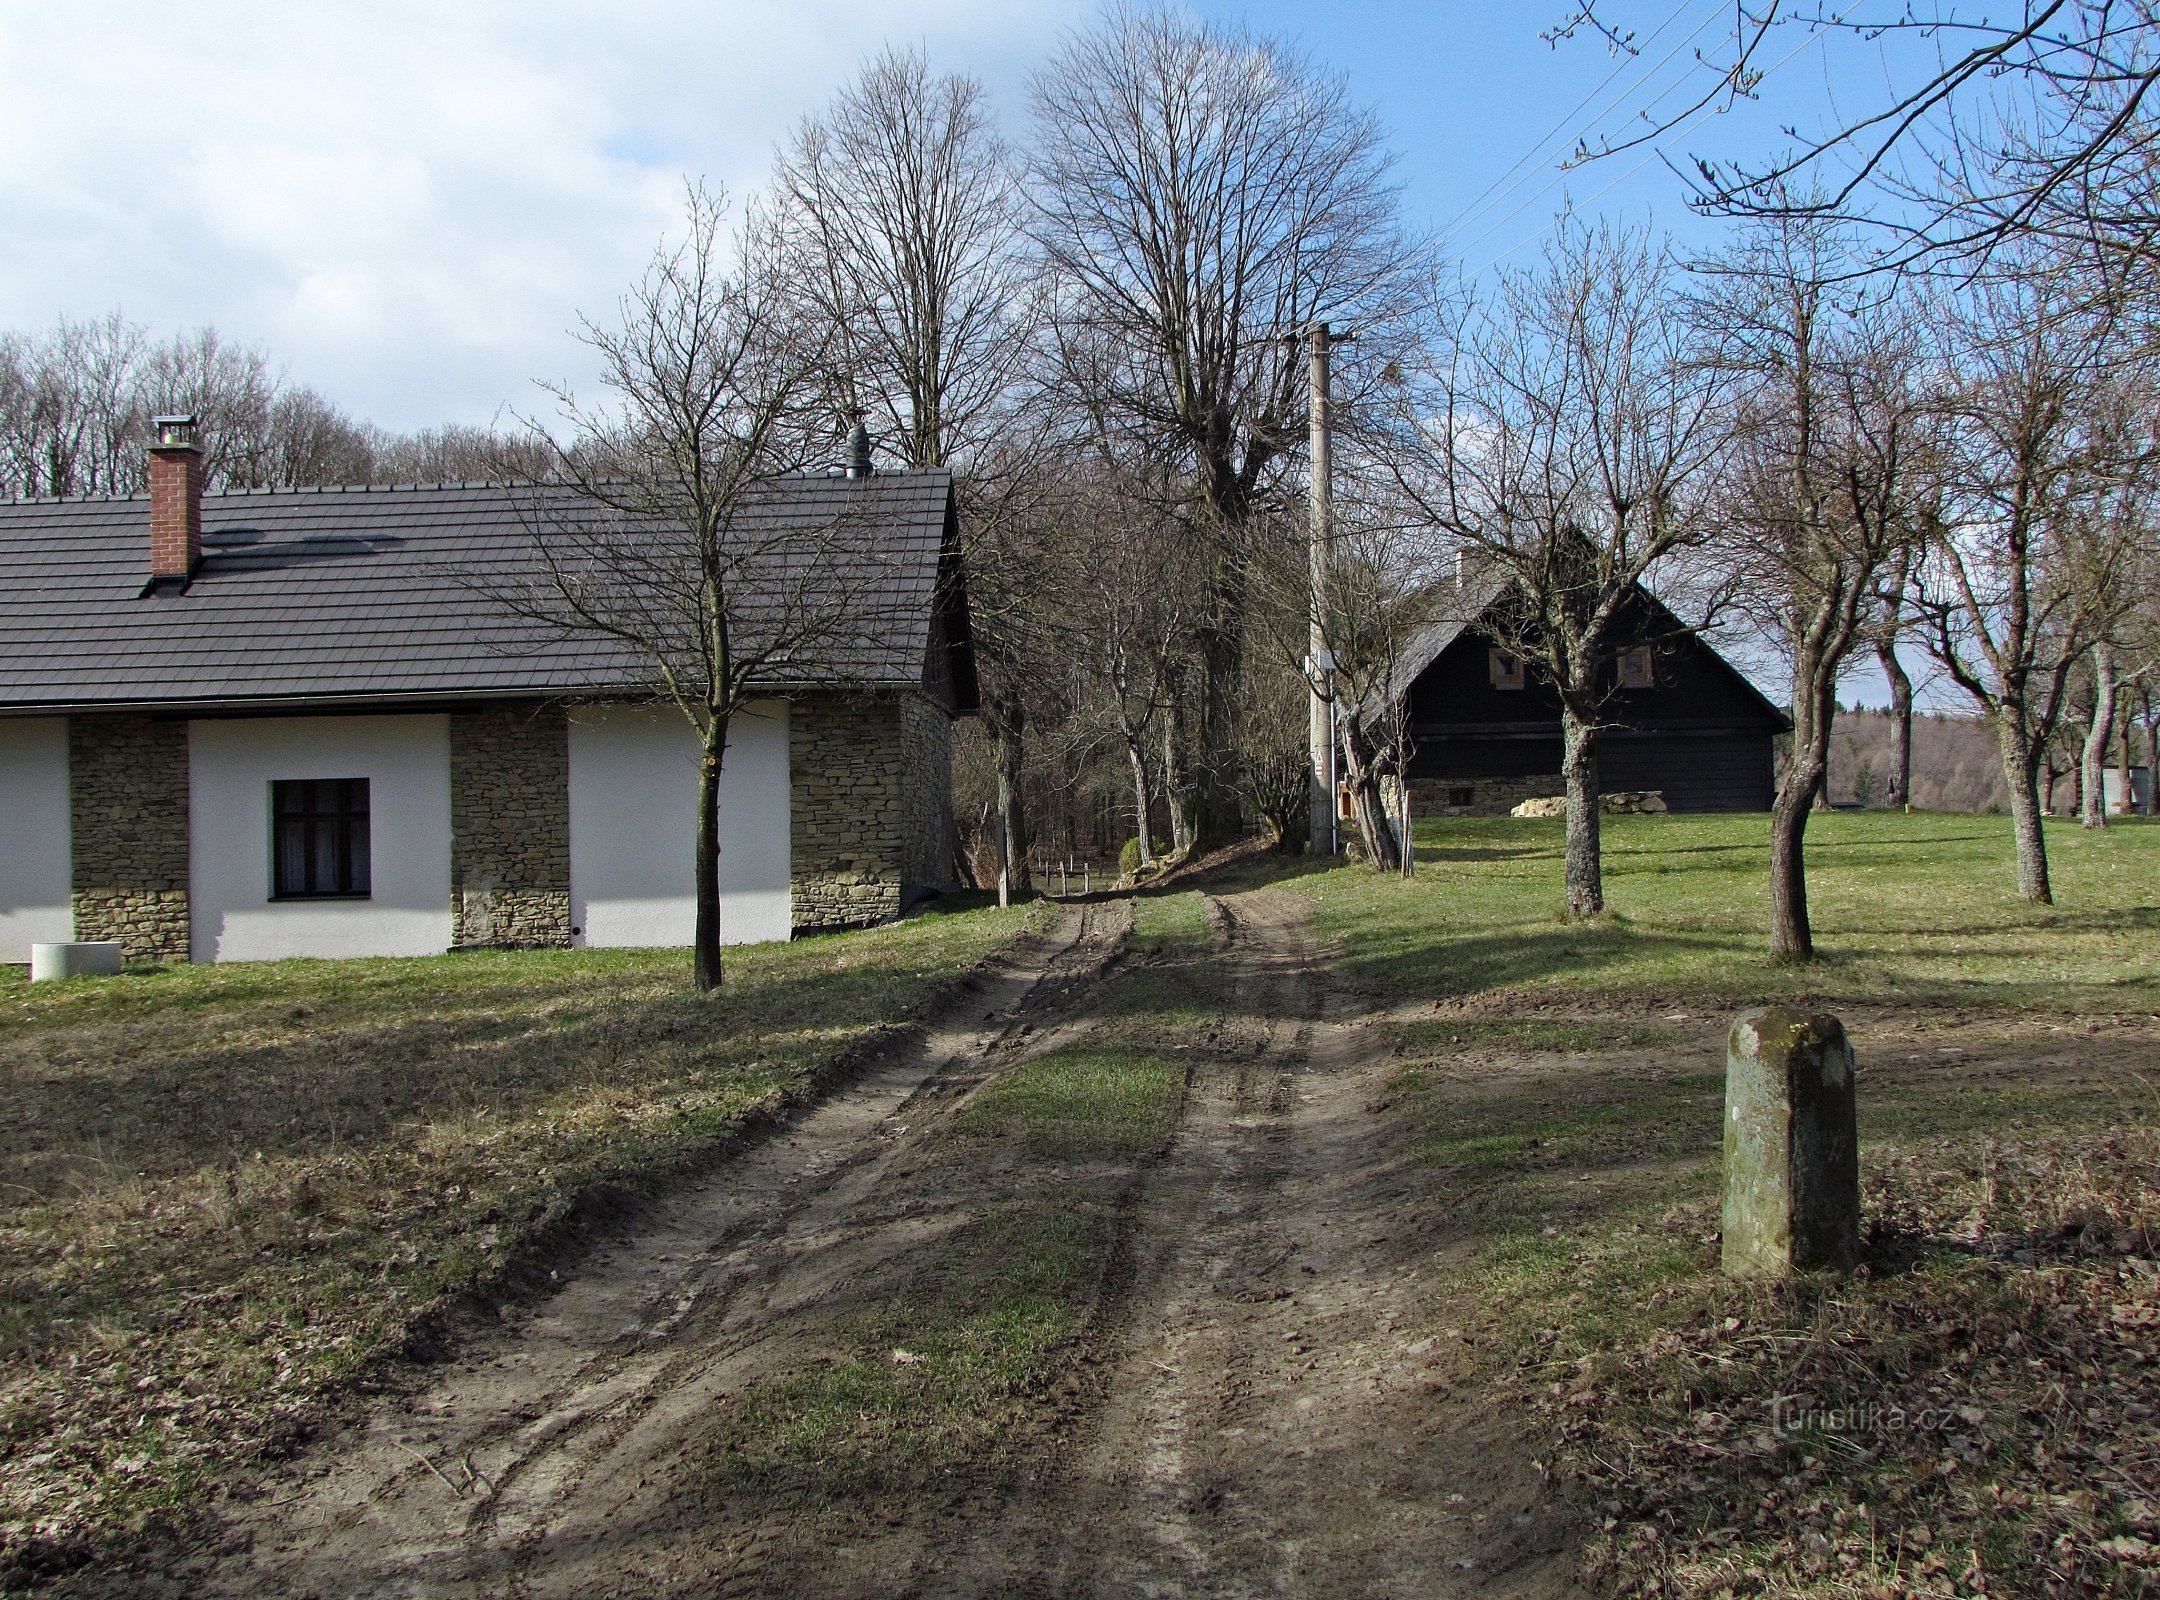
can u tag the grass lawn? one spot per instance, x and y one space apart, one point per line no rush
1975 1411
226 1192
1907 909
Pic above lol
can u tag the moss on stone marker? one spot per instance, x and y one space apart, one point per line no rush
1792 1149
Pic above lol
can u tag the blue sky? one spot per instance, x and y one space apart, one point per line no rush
409 204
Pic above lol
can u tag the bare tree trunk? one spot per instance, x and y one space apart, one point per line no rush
1792 934
1218 814
1365 800
1142 803
1005 722
1585 875
1178 786
2021 772
2099 736
705 953
2126 801
2152 756
1900 726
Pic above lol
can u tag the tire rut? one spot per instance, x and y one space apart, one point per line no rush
1264 1426
508 1475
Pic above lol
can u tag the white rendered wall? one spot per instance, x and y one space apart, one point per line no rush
633 826
35 874
231 765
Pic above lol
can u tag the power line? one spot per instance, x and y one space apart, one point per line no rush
1655 152
1650 73
1567 117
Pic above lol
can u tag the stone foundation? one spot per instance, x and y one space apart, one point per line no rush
846 811
510 826
1480 797
128 816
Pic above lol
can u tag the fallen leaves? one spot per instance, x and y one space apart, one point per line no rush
1970 1415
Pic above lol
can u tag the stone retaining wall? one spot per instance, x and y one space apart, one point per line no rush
510 826
128 815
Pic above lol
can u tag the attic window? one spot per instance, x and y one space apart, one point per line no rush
1506 669
1636 671
319 847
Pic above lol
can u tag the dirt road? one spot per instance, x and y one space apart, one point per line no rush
1256 1403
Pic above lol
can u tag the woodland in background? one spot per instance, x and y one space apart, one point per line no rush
1106 322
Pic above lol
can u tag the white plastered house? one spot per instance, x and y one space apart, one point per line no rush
302 723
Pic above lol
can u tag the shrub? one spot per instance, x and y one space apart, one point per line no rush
1128 859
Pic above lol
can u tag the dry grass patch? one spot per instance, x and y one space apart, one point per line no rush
226 1193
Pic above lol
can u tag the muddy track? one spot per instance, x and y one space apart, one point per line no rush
1257 1404
1270 1423
522 1466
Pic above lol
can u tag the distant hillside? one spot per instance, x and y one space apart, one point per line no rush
1956 766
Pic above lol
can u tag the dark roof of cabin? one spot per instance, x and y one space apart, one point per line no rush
1455 606
387 593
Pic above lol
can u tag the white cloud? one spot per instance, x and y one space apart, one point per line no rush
408 203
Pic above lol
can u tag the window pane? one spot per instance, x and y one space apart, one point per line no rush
291 854
319 837
322 857
359 879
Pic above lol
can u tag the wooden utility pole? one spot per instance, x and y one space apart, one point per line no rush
1319 661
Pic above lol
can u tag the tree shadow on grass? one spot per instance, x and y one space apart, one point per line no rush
276 1069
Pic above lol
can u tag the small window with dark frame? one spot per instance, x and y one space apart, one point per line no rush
1636 668
319 839
1506 669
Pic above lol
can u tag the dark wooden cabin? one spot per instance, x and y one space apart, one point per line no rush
1485 731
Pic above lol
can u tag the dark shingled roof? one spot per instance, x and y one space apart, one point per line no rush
387 594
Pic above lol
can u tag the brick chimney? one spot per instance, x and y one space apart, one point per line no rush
175 500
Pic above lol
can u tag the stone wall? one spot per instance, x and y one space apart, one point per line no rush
128 813
847 810
870 806
926 842
1487 797
510 826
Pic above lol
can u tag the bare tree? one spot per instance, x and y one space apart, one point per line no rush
1890 627
2033 122
661 536
899 215
1565 434
2046 448
1202 193
1375 592
1122 596
76 405
1831 431
902 210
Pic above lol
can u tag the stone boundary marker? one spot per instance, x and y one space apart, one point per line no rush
1792 1146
